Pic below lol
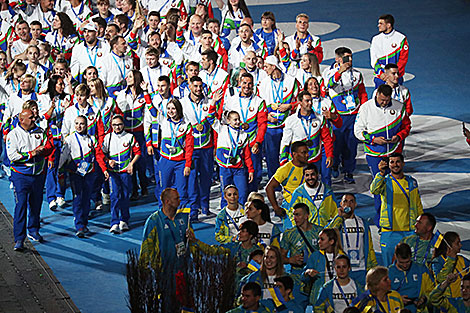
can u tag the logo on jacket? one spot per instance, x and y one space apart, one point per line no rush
405 47
251 109
99 54
205 108
128 66
394 45
392 112
90 117
125 144
37 136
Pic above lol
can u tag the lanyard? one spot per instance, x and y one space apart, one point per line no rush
57 109
163 106
416 250
172 233
61 40
123 71
352 83
342 292
303 76
213 78
381 308
307 133
233 143
93 62
13 86
276 96
80 11
402 189
231 218
397 93
173 135
150 80
244 116
347 235
198 111
318 110
80 146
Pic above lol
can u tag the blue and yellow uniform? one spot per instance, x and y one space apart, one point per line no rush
225 224
164 241
416 282
368 303
261 309
422 250
325 300
294 244
401 206
442 267
289 177
318 215
446 304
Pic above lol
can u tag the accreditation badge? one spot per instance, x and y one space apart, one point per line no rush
180 249
350 103
353 255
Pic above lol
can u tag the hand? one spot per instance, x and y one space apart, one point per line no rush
311 272
451 252
37 151
144 85
106 175
182 22
162 27
297 44
285 106
190 235
383 166
216 96
395 139
130 168
255 148
297 259
68 77
344 67
341 212
383 76
271 118
329 162
139 23
329 115
150 150
406 300
186 171
309 44
280 37
112 163
380 140
420 301
241 265
50 164
451 278
250 177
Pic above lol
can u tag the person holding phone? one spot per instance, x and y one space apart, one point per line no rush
382 124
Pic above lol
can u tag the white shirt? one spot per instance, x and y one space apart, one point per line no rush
349 291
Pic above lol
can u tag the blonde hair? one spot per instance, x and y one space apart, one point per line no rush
33 47
82 89
31 79
373 278
314 66
301 15
100 90
28 105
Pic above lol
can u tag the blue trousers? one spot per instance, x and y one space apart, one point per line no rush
272 146
325 172
170 171
141 165
121 188
200 180
388 241
258 166
373 163
345 145
53 188
237 177
82 188
28 190
156 159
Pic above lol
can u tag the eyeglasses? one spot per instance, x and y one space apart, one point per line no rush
116 125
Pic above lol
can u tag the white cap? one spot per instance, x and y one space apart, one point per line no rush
271 59
90 26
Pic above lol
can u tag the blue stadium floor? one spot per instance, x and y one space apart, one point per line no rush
92 270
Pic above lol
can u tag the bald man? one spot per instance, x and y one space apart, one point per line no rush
27 147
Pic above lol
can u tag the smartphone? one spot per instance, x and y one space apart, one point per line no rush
346 59
385 159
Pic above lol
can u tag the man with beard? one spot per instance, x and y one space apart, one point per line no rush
401 203
88 52
461 304
318 196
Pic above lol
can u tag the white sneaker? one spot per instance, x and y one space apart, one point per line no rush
60 201
106 198
115 229
53 205
123 226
